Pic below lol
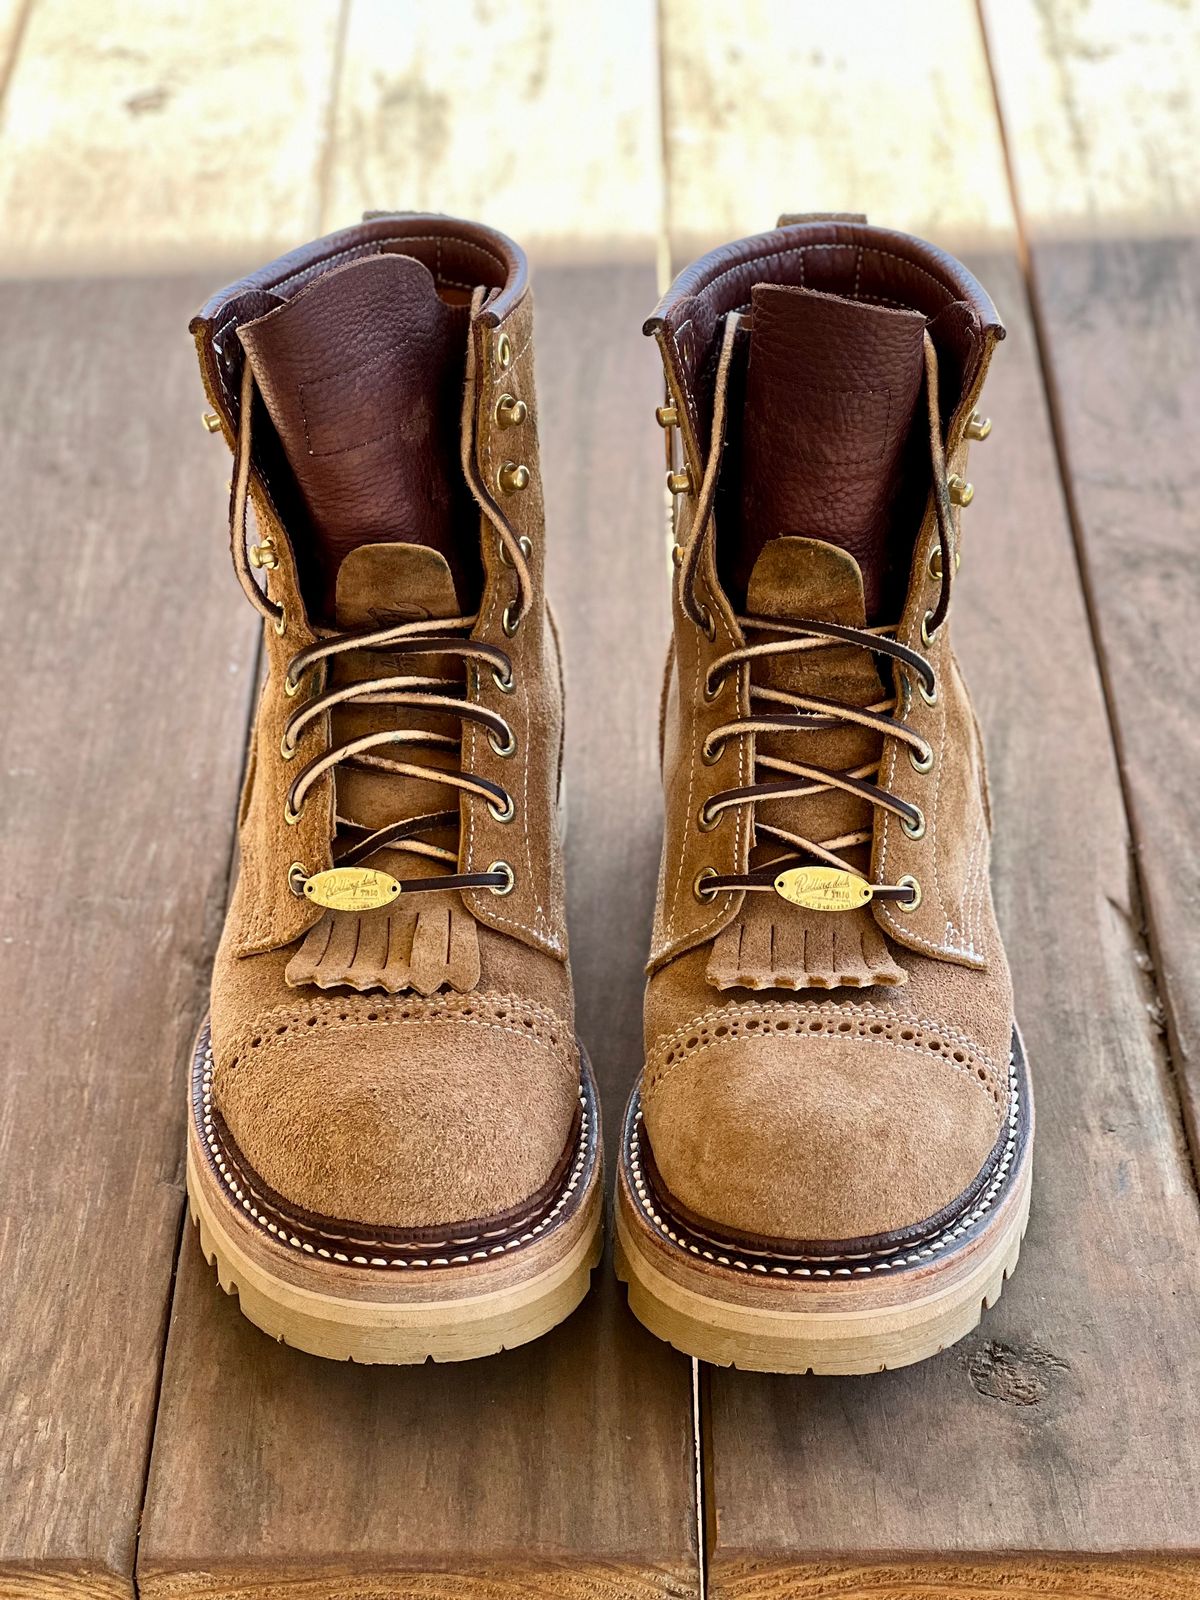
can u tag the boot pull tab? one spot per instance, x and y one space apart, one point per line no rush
788 219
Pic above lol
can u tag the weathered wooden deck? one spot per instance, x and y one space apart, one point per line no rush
150 1439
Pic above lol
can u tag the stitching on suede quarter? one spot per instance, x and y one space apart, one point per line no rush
539 928
687 815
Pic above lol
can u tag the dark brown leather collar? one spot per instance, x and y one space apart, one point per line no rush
458 253
834 256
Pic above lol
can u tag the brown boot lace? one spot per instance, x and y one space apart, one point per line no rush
776 711
448 638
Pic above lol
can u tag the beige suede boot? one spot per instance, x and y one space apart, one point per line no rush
826 1162
393 1149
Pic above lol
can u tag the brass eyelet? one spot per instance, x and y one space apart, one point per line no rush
930 696
289 816
935 562
505 685
961 492
705 821
677 556
512 477
296 876
507 814
978 427
287 749
509 748
680 482
704 895
211 421
504 352
927 638
667 416
526 550
914 830
708 622
920 763
510 875
911 904
710 757
510 412
510 622
712 690
281 619
263 555
290 688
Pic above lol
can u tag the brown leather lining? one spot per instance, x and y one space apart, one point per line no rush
850 258
455 252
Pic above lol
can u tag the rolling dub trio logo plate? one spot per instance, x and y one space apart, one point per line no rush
351 888
823 888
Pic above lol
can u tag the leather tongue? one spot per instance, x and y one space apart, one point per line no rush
421 942
379 585
772 944
832 395
362 375
807 578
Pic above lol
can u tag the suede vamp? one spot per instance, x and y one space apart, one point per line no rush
813 1116
423 1117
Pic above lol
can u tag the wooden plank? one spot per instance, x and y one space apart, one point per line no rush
536 119
167 133
1103 119
128 668
1055 1450
129 665
564 1468
13 16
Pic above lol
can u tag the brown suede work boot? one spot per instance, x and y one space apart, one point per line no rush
393 1148
826 1162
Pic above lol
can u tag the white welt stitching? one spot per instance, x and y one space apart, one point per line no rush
247 1200
855 1266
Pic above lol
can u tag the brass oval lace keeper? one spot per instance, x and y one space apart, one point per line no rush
351 888
823 888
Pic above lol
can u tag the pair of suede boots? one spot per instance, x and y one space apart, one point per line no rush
394 1143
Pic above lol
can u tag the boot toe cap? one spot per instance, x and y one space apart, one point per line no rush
402 1115
820 1132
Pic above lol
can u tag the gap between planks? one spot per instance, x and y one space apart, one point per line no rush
1145 933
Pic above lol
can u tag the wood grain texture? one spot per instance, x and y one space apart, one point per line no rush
163 132
1061 1577
13 16
1102 115
803 108
564 1468
128 667
1067 1423
129 662
539 119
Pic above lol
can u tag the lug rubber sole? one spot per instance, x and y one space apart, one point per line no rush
370 1302
825 1315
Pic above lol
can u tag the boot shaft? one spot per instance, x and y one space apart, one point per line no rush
376 387
821 388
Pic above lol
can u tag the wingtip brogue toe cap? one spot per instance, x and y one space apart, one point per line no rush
401 1116
821 1138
